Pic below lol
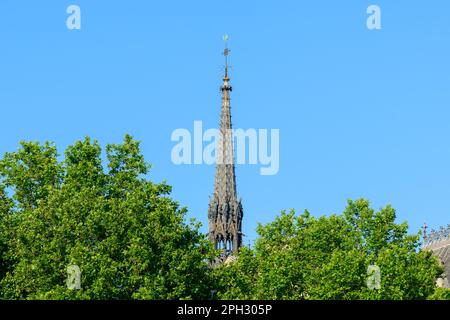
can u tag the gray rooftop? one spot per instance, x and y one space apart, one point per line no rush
442 250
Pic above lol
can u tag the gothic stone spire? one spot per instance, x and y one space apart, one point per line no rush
225 210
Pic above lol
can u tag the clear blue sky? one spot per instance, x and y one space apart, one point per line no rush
361 113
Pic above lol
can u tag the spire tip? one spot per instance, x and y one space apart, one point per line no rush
226 52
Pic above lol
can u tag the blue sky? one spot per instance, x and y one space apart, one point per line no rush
361 113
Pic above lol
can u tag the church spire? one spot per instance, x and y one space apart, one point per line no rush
225 210
225 182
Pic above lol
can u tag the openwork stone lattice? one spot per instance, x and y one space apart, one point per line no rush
438 241
435 236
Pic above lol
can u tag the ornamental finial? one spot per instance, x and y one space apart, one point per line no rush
226 52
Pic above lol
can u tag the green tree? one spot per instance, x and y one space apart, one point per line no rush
5 227
302 257
31 172
440 294
128 237
131 240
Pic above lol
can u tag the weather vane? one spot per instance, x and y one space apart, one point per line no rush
225 38
226 52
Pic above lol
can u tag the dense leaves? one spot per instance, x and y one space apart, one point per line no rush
440 294
132 241
127 236
302 257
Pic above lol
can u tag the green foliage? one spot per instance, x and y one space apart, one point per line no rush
440 294
302 257
131 240
5 231
32 172
127 236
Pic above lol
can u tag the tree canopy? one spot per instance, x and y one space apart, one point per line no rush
303 257
131 240
125 233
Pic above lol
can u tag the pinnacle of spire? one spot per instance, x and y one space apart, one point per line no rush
226 52
225 184
225 210
226 86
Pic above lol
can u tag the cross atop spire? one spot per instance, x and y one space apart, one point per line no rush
226 86
226 52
